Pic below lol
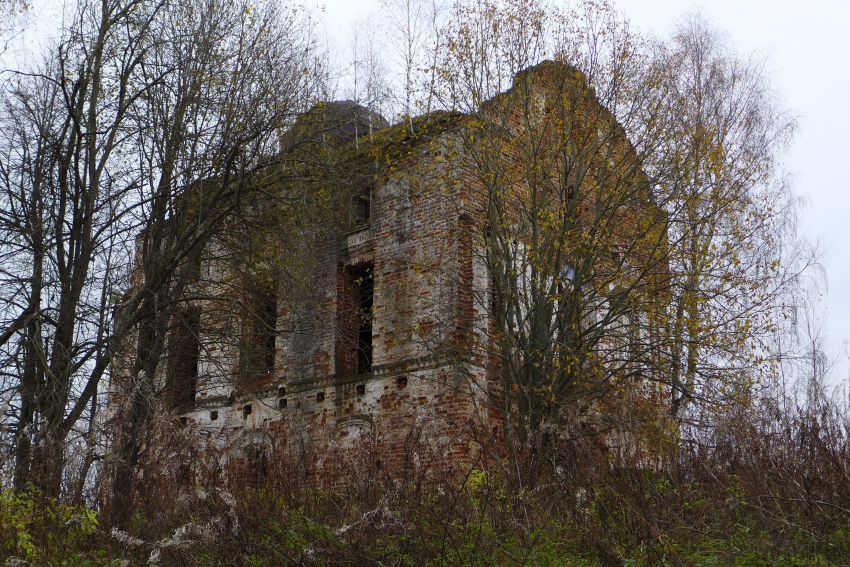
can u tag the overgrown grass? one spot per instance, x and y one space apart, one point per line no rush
656 521
762 487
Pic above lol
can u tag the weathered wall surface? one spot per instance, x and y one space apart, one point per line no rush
406 238
419 403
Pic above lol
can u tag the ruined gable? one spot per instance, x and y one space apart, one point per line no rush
344 305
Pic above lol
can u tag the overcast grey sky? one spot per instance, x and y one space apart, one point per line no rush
807 48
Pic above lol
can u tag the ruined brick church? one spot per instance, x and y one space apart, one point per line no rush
361 325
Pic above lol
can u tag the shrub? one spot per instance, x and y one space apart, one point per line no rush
41 530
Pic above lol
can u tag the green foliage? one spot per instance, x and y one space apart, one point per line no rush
634 517
42 530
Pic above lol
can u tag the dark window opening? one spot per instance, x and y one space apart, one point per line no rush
281 391
258 339
361 209
465 301
401 382
246 411
183 477
257 463
364 314
361 389
354 325
320 397
183 354
213 415
281 404
193 264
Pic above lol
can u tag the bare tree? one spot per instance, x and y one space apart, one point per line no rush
73 112
370 86
236 76
632 223
146 120
414 26
732 265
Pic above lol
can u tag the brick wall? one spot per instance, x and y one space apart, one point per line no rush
425 403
